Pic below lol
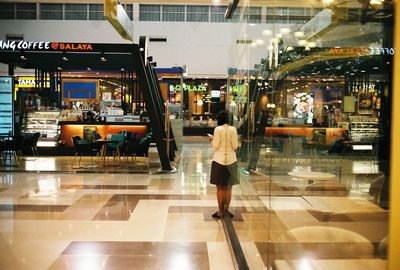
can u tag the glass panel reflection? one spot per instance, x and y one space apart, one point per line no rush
313 111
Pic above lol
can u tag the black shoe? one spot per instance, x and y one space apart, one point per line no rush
230 215
216 215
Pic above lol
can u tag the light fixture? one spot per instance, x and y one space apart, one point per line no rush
299 34
266 32
376 3
302 42
285 30
327 3
103 57
312 44
65 57
88 68
23 56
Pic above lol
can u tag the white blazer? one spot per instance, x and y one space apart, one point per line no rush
224 143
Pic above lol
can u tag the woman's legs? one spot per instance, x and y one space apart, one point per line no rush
221 198
228 196
224 195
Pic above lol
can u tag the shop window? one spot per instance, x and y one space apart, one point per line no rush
149 12
278 15
75 11
129 11
173 13
252 15
26 11
247 14
236 15
51 11
217 13
7 11
197 13
96 12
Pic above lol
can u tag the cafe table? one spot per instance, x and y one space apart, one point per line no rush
104 143
311 176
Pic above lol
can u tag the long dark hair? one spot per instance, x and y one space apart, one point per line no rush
223 118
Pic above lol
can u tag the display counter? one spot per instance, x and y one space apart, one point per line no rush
331 134
69 129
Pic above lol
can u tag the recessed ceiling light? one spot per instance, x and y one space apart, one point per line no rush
375 68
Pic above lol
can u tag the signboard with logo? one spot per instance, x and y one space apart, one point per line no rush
22 45
188 88
6 105
29 82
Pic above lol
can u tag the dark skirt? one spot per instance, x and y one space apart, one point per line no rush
224 175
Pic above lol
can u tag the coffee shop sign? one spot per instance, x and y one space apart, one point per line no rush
43 45
188 88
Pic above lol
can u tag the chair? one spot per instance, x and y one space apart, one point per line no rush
12 148
139 149
83 148
118 147
30 142
376 187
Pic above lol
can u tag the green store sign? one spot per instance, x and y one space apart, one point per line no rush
236 88
188 88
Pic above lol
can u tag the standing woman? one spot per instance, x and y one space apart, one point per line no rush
224 164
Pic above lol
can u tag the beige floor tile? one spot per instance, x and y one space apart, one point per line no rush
218 255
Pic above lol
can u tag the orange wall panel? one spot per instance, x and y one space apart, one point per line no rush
67 131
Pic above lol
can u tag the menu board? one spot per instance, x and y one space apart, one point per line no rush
6 106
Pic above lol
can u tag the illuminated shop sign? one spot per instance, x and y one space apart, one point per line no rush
381 51
362 51
365 88
29 82
43 45
71 46
236 88
188 88
349 51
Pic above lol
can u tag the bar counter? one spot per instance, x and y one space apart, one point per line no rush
69 129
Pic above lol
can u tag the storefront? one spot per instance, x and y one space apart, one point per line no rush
83 88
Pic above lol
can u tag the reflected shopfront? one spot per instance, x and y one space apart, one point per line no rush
315 118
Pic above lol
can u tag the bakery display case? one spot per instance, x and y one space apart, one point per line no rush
45 122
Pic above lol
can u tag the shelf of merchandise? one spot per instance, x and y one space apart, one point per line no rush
45 122
364 131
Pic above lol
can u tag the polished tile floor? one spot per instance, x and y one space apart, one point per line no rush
131 217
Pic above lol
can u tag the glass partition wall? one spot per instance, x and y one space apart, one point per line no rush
310 96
